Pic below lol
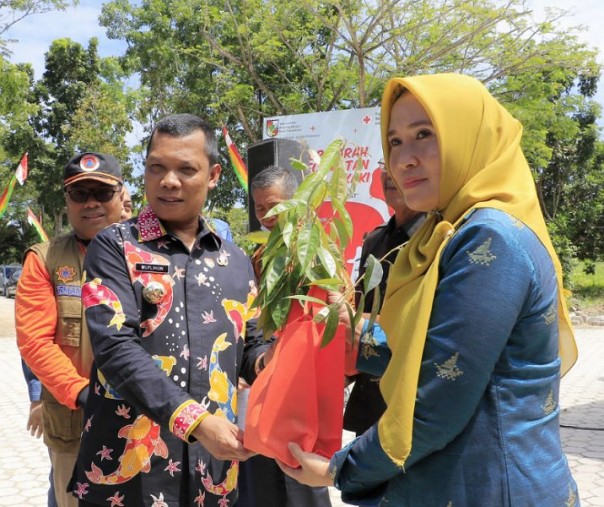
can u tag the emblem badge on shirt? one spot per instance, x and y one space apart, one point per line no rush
65 274
223 258
154 293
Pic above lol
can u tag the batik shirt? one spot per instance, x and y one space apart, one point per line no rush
167 328
486 418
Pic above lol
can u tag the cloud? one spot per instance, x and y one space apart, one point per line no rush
35 33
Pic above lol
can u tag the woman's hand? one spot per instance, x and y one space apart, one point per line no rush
314 469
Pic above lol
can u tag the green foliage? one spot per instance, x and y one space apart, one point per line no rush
78 105
564 248
237 219
16 235
588 274
588 286
581 207
235 62
223 60
14 89
304 250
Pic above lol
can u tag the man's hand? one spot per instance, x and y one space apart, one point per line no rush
35 423
314 469
222 438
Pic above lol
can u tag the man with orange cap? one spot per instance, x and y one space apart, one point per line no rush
51 330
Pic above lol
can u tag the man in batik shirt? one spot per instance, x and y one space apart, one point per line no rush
168 307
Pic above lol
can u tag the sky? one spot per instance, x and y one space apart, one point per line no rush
35 33
80 23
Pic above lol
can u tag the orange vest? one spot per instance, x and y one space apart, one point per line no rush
64 259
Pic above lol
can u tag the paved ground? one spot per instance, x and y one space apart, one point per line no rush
24 463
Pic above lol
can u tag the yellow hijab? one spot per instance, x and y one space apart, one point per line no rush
482 165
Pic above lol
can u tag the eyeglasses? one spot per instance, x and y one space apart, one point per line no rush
80 195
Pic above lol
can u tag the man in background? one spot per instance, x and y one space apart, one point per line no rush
366 404
35 423
126 204
269 187
51 331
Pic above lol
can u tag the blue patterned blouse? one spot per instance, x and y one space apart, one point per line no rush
486 421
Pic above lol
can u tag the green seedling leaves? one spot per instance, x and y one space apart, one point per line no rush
305 250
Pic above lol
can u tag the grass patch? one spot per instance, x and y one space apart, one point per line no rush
587 288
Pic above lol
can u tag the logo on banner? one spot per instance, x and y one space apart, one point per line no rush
272 127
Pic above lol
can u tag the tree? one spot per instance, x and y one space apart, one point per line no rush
15 81
244 60
16 235
238 61
81 106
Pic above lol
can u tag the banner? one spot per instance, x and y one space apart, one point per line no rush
361 130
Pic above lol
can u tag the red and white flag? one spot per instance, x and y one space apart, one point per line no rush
21 172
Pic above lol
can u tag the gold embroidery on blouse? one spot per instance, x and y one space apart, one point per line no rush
368 351
550 403
572 498
483 255
333 472
368 343
449 370
550 315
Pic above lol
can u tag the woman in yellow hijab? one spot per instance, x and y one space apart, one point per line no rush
474 333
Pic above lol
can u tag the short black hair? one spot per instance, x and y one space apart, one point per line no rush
184 124
275 175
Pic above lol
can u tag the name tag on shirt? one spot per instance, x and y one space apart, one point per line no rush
151 268
68 290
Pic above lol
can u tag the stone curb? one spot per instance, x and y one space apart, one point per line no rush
581 319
